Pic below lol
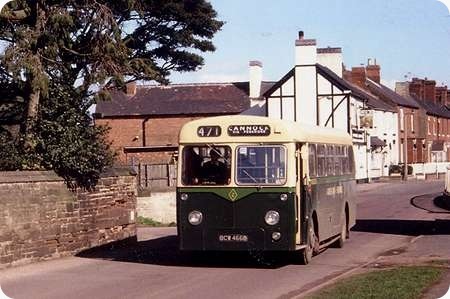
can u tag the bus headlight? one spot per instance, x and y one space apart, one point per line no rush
272 217
195 217
283 197
184 196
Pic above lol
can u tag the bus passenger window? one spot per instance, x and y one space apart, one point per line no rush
206 165
321 160
312 161
338 158
345 161
330 160
351 159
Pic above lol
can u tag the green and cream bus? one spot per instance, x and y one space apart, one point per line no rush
255 183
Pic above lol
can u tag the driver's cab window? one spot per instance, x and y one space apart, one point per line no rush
206 165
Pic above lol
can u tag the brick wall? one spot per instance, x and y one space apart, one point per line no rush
41 219
123 132
142 131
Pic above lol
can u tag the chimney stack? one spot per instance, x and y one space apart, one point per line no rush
305 50
373 71
430 90
255 72
358 76
131 88
305 79
331 58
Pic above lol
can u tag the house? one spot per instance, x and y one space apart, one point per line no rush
145 120
435 146
406 113
314 93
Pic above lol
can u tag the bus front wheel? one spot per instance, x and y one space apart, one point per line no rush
311 245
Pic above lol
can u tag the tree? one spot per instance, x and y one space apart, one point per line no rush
87 47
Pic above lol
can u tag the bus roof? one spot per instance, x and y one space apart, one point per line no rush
243 128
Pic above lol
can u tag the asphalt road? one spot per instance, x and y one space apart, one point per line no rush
154 268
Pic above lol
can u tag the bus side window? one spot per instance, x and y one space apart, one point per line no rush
312 161
321 160
351 159
330 160
337 160
345 161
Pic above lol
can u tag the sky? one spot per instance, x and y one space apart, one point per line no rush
408 38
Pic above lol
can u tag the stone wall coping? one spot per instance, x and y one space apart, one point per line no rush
50 176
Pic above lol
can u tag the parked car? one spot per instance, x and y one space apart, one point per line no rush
399 169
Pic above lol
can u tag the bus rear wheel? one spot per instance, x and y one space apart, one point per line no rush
340 242
343 235
312 245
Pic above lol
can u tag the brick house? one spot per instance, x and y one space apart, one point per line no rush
145 121
435 121
408 110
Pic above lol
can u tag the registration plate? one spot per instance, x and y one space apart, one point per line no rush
233 238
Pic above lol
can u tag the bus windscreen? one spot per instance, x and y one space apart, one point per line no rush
261 165
206 165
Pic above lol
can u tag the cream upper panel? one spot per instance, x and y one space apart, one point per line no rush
280 131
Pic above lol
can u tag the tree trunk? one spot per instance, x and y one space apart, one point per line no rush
32 112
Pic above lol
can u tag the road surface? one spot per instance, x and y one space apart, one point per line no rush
387 224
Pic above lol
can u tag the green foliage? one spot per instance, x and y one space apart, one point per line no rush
150 222
61 55
401 282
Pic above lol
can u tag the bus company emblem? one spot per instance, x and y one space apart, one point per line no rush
249 130
233 194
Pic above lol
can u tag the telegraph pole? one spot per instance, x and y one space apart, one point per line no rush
405 147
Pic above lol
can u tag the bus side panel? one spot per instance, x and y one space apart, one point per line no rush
324 210
329 204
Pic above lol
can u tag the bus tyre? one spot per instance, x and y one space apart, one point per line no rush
312 245
340 242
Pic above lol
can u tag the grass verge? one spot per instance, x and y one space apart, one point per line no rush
150 222
400 282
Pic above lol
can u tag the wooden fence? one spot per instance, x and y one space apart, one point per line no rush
156 176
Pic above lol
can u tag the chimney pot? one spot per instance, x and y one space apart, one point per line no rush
301 35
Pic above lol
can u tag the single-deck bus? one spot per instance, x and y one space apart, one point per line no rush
255 183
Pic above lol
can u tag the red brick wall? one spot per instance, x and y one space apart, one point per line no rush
129 132
123 132
164 131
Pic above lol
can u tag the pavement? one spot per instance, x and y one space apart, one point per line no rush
436 203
